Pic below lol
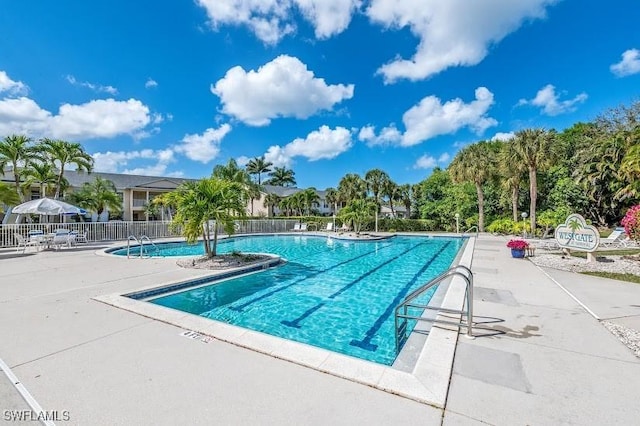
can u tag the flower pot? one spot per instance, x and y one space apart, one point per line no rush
517 253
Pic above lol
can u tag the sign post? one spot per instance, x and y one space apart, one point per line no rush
575 234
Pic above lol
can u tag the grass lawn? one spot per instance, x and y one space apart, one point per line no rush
615 276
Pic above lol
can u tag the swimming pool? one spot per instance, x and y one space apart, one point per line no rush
338 295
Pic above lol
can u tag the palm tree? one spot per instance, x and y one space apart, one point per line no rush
231 172
405 195
286 205
44 175
309 196
257 166
475 163
512 172
17 150
208 199
281 176
62 153
253 192
270 202
357 212
391 191
97 196
376 181
332 197
8 196
352 187
535 149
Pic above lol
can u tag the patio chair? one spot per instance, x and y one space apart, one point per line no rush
329 227
303 227
296 227
63 238
80 237
614 239
344 228
24 243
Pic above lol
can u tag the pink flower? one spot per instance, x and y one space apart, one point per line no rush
518 244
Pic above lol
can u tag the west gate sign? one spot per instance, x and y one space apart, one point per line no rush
575 234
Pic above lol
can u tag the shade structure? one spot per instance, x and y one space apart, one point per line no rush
47 206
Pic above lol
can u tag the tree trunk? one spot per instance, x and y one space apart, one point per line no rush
205 239
514 203
480 207
59 183
214 249
16 178
533 194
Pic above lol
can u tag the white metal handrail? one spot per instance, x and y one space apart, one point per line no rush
402 319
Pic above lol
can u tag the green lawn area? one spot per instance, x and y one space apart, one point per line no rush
615 276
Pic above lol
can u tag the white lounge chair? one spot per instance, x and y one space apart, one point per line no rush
329 227
303 227
614 239
24 243
80 237
296 227
344 228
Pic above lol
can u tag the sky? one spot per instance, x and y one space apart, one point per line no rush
325 87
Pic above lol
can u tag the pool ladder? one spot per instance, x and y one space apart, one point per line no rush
402 316
141 243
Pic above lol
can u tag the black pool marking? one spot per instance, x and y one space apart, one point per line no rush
295 322
264 296
348 286
370 334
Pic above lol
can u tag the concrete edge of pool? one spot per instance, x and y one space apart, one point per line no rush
428 382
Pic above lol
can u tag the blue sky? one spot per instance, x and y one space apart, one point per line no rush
326 87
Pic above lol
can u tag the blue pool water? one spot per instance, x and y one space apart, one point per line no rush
338 295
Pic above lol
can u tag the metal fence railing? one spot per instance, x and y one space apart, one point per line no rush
114 231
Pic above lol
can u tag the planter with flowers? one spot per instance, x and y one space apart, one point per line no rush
518 247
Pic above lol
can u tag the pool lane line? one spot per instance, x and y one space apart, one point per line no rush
348 286
370 334
314 274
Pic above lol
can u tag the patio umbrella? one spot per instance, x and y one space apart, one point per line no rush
47 206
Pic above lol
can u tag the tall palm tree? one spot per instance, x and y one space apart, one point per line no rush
512 173
475 163
97 196
535 149
17 150
405 195
44 175
281 176
257 166
352 187
332 197
199 202
391 190
61 153
271 201
231 172
376 180
253 192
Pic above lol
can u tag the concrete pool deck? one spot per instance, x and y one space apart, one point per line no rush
547 361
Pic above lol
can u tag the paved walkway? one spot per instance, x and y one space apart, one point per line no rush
546 360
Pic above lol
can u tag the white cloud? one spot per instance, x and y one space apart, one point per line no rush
95 87
431 118
243 160
501 136
451 32
120 162
429 162
630 64
388 135
549 101
11 87
204 147
103 118
150 83
271 20
328 17
283 87
320 144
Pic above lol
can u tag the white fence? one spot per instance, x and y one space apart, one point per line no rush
114 231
